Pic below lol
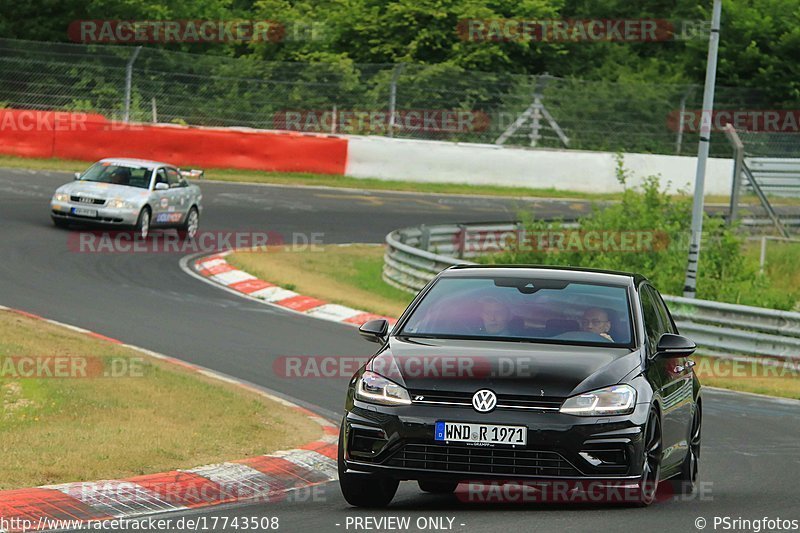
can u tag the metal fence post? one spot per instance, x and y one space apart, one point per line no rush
536 120
393 97
738 158
462 240
424 237
520 229
128 82
679 139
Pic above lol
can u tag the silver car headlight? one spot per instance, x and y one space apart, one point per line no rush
61 197
614 400
118 203
374 388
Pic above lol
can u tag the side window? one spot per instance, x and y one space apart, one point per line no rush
666 318
652 318
161 176
173 177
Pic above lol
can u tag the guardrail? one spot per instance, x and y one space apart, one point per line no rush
721 328
776 175
415 255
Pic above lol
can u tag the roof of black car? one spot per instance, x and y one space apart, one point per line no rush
584 274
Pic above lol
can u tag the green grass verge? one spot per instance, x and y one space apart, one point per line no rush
781 262
748 377
346 275
112 413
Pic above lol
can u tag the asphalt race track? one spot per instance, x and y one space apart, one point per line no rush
750 461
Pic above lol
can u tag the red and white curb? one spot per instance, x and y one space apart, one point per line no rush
263 478
216 268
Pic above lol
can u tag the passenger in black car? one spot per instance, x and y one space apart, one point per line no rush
596 320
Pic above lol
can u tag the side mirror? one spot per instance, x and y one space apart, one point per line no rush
77 175
161 186
374 330
671 345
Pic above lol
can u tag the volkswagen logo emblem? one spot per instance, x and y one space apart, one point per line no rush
484 401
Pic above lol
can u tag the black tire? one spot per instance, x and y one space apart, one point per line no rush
364 490
651 471
438 487
60 222
686 481
140 231
188 229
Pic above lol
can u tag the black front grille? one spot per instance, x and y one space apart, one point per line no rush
503 400
468 459
87 200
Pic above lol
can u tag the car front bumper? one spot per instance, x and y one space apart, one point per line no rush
398 442
105 215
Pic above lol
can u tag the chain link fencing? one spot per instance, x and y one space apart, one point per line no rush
436 102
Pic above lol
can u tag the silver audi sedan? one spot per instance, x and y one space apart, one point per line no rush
131 193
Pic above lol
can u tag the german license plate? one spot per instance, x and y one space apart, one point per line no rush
84 212
480 433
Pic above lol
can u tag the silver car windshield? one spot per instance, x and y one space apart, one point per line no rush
138 177
550 311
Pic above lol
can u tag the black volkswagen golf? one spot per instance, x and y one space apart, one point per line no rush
524 374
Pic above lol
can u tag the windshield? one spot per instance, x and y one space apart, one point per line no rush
523 309
118 175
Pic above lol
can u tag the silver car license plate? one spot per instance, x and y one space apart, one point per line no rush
480 433
84 212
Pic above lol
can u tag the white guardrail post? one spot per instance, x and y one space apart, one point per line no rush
719 329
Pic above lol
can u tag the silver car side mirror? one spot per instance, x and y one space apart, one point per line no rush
77 175
161 186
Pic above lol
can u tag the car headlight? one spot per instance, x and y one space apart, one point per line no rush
117 203
61 197
374 388
615 400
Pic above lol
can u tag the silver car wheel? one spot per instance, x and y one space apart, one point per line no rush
144 224
192 224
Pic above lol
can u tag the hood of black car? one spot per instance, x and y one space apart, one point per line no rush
508 368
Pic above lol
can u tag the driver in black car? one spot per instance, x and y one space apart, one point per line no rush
596 320
495 317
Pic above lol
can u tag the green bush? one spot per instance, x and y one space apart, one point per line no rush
727 274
